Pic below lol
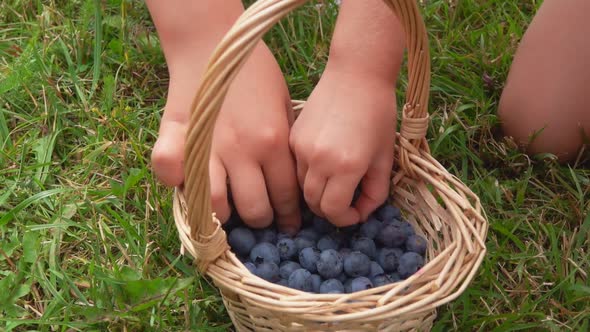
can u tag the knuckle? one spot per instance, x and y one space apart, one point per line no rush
256 215
271 137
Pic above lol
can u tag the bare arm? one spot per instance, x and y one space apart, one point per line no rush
368 40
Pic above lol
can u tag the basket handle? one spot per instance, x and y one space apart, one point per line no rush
225 63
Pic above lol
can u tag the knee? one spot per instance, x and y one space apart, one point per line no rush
543 124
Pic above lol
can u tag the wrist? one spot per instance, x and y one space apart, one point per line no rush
353 69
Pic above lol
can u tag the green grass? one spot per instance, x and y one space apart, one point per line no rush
87 239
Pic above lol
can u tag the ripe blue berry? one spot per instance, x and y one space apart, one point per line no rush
407 228
308 259
286 268
329 264
287 248
241 240
265 252
417 244
391 236
283 282
250 266
409 263
357 264
342 277
268 271
380 280
331 286
360 284
302 243
370 228
301 279
328 242
309 233
388 258
316 282
375 269
268 234
364 245
388 212
322 226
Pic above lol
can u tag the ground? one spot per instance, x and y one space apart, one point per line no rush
87 235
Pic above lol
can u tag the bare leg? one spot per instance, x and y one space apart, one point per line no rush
548 88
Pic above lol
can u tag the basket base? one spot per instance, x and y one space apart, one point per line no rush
252 319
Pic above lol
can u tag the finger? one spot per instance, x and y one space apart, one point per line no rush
313 189
301 171
249 193
374 187
218 180
281 183
337 198
168 153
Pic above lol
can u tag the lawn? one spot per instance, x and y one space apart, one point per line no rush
87 238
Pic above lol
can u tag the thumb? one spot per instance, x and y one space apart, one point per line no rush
168 153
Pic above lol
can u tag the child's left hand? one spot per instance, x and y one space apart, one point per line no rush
345 135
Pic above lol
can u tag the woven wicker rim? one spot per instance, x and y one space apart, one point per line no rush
421 185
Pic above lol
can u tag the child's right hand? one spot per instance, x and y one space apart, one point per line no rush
250 143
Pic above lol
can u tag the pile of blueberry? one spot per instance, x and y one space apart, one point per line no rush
324 259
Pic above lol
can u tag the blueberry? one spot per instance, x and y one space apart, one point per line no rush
388 258
241 240
265 252
364 245
302 243
407 228
322 226
309 233
287 248
250 266
286 268
283 282
316 282
268 271
308 259
268 234
301 279
357 264
342 277
394 277
360 284
380 280
409 263
331 286
391 236
417 244
328 242
375 269
370 228
329 264
388 212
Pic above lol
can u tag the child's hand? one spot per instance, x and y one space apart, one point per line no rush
250 143
345 135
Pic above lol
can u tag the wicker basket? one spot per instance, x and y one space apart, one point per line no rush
442 208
